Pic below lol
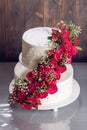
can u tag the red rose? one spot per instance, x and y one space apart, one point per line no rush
67 45
65 34
47 69
53 62
26 106
75 41
50 52
54 37
21 95
32 100
54 31
57 72
31 88
74 50
52 89
30 76
58 53
62 69
43 95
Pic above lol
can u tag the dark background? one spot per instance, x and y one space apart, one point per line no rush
16 16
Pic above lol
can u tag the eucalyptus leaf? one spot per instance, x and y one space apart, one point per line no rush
79 48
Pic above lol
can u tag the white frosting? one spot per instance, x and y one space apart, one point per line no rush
37 36
64 84
35 44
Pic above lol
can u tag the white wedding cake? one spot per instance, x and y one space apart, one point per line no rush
40 46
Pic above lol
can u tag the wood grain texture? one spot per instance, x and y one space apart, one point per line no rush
15 24
19 15
34 13
2 31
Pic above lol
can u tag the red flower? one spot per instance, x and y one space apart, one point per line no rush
34 101
75 41
74 50
26 106
62 69
31 88
58 53
53 62
65 34
43 95
30 76
54 31
50 52
52 89
66 46
21 95
55 35
57 72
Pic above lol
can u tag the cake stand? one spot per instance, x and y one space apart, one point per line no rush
65 102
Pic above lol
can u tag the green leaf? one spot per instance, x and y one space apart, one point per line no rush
71 34
50 38
79 48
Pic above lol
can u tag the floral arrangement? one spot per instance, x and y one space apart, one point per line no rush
41 81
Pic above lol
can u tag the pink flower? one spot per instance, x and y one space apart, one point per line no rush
52 89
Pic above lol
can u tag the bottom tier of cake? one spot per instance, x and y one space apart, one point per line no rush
65 86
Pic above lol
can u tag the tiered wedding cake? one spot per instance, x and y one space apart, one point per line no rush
43 77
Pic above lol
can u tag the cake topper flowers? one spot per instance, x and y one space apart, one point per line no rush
41 81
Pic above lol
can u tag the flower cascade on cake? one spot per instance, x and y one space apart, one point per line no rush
41 81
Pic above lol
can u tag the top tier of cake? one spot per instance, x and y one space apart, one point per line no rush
35 43
37 36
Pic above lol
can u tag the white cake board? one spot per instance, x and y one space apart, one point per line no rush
55 106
